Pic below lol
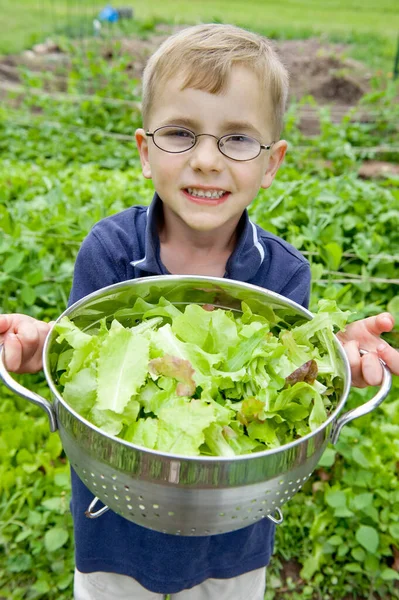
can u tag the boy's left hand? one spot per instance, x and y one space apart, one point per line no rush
365 334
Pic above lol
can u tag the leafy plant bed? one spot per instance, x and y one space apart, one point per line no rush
66 164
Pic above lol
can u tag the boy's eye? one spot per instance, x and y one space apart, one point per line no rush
239 146
174 139
177 133
239 139
239 143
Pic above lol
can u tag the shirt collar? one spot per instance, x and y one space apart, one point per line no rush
243 264
151 261
249 253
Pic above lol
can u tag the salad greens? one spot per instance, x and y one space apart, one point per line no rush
203 380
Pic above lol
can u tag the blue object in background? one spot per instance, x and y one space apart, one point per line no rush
109 14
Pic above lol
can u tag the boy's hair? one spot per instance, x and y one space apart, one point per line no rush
204 56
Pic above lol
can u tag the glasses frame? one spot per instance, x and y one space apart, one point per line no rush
218 141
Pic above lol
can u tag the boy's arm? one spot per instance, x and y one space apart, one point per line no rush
365 334
23 338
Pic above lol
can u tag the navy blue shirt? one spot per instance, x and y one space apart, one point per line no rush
126 246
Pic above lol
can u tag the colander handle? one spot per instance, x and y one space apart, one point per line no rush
362 410
22 391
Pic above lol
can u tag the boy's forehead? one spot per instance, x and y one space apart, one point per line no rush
242 102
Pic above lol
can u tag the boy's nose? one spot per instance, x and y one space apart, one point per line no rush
205 155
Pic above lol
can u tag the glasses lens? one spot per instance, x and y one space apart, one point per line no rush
174 139
239 147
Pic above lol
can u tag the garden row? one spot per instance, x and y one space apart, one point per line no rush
64 165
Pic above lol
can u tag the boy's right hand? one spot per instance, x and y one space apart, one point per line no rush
23 338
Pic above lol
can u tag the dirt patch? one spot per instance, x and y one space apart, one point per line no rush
376 169
290 570
316 69
322 71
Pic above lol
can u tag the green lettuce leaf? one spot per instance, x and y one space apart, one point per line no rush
122 368
197 380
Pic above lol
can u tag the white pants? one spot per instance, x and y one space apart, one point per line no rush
110 586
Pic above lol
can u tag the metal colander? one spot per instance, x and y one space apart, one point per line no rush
191 496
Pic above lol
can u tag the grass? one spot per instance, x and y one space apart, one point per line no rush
371 27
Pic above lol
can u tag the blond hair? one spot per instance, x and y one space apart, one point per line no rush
204 56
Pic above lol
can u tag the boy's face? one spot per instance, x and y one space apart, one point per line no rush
181 179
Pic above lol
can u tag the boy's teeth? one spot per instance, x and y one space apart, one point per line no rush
205 193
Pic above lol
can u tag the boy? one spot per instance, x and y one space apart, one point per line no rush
213 104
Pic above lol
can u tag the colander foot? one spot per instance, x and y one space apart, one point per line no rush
94 515
279 519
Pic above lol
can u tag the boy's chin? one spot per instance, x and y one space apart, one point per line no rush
204 225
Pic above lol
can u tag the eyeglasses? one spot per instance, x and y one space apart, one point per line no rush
236 146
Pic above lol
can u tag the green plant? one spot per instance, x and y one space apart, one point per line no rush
66 164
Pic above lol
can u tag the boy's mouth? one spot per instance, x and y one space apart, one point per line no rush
210 196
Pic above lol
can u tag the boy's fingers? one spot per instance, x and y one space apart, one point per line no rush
28 334
381 323
23 345
4 325
12 353
390 356
32 339
371 369
352 352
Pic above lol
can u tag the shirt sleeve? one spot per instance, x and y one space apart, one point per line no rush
298 287
94 268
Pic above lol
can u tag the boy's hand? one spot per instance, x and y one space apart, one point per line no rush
365 334
23 338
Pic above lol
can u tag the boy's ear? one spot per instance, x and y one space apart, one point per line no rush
142 145
276 157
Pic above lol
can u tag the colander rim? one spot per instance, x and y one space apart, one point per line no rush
110 289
